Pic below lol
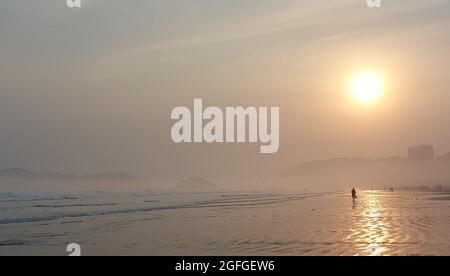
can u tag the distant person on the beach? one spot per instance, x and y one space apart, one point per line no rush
354 194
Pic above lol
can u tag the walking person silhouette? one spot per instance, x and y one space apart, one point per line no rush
354 196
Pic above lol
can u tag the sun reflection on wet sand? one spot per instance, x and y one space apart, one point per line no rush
377 232
369 231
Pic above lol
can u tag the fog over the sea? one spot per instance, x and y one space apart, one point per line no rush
92 89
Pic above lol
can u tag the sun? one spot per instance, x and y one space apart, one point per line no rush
366 87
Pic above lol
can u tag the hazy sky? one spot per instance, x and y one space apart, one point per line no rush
92 89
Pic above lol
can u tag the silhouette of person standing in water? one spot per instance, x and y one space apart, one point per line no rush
354 194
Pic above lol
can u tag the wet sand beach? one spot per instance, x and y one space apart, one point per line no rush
377 223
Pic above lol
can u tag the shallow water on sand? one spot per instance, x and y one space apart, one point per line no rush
253 223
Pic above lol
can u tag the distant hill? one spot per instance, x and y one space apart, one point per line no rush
373 172
195 184
26 175
342 164
445 157
15 172
331 164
